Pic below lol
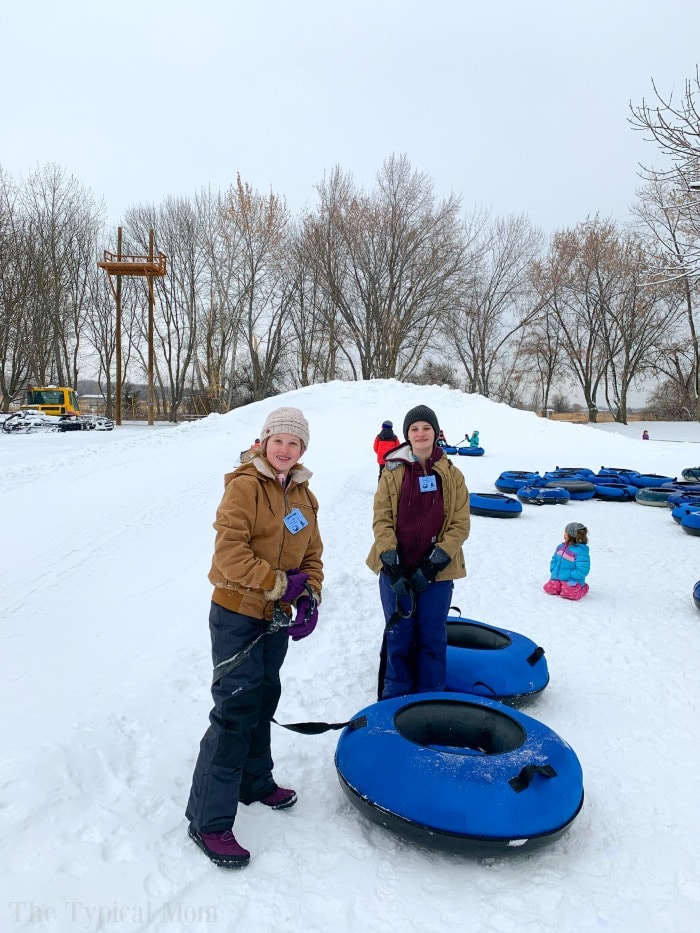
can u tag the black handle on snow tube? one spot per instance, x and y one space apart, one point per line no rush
316 728
522 781
456 609
535 656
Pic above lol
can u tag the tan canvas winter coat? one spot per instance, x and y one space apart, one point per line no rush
455 527
254 547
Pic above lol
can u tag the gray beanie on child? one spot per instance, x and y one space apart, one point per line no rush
421 413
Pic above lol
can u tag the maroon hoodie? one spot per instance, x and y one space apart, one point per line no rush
421 514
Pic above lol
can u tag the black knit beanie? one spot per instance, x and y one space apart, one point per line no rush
421 413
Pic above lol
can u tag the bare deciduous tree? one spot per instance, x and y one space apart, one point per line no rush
15 295
63 225
257 225
671 248
496 305
670 209
390 263
610 318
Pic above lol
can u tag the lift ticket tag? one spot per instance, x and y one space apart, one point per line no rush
295 521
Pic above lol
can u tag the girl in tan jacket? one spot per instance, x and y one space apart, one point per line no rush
267 574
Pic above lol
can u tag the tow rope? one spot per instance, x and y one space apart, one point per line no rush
280 620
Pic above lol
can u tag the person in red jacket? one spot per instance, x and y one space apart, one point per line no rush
384 443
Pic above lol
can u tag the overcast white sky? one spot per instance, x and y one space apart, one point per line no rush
517 105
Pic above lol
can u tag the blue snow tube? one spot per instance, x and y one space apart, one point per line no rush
690 523
471 451
696 595
493 662
691 473
460 773
583 472
682 498
543 495
513 480
679 512
449 449
650 479
613 489
611 479
689 486
494 505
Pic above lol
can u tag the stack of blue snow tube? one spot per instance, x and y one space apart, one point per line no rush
578 485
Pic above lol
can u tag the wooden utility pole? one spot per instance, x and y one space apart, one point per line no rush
149 266
151 391
118 331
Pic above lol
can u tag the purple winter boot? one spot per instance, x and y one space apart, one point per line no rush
280 799
221 848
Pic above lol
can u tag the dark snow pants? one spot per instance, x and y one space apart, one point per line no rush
416 648
235 760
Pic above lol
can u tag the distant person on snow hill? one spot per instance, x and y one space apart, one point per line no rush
442 440
267 575
570 564
385 442
474 439
645 435
421 521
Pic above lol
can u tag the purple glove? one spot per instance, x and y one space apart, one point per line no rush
295 585
305 619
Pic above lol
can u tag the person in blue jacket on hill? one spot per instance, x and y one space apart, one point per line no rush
474 439
570 564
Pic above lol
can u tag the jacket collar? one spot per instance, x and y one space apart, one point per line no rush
404 455
298 474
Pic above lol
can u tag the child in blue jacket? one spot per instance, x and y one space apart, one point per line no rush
570 564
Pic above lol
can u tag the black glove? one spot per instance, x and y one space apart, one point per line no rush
393 569
431 565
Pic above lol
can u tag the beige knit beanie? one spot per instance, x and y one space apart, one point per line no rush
286 421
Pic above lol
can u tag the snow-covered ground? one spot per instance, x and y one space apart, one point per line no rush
106 542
